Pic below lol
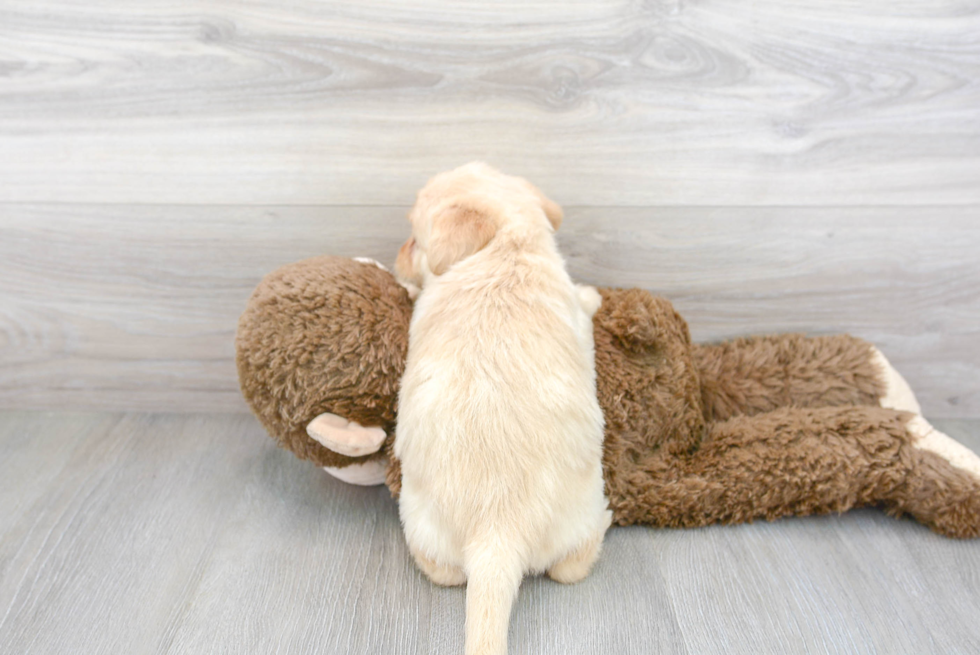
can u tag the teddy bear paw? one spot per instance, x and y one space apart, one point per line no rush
926 437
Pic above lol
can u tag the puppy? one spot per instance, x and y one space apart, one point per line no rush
499 429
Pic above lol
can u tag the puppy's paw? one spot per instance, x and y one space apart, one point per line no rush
575 566
588 298
441 574
345 437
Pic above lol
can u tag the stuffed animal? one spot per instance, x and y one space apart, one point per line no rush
761 427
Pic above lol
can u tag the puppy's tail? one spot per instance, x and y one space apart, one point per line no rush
493 573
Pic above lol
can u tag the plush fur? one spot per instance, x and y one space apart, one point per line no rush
762 427
323 335
499 429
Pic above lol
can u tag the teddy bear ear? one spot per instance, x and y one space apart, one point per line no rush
458 230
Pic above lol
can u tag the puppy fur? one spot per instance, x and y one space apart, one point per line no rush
499 427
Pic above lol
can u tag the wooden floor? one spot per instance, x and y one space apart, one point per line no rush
169 533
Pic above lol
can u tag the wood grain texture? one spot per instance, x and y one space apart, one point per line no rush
135 307
129 533
665 102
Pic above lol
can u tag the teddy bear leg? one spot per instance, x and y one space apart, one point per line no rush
753 375
790 461
938 493
897 394
944 488
798 461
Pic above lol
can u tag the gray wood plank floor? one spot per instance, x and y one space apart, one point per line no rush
166 533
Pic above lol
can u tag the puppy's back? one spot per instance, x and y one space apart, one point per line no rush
499 430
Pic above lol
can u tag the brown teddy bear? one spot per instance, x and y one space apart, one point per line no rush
695 434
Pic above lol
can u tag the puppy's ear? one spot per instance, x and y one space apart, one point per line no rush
551 208
405 263
458 231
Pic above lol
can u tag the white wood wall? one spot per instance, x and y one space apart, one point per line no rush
770 166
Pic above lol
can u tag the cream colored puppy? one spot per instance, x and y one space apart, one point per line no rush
499 428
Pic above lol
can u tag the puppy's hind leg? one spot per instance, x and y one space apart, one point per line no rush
444 575
575 566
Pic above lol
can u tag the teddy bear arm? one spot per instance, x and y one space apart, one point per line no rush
752 375
646 379
799 461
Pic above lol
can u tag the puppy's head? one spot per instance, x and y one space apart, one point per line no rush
459 212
